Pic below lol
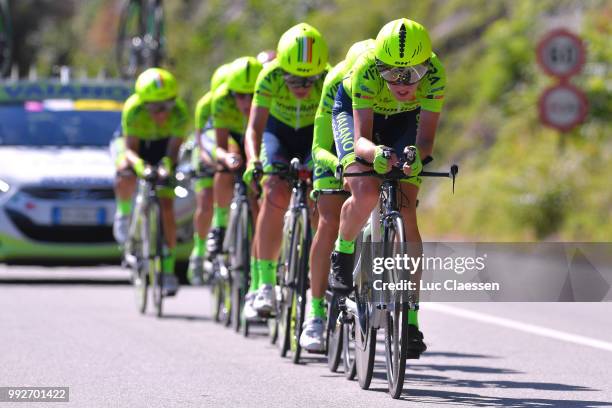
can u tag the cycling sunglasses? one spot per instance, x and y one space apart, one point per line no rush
159 107
402 75
296 81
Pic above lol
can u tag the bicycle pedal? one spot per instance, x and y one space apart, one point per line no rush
413 355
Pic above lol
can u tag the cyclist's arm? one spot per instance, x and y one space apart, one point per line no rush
222 137
174 144
426 133
322 143
363 122
257 124
132 144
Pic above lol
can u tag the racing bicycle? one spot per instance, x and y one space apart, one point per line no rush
144 249
368 311
292 272
231 268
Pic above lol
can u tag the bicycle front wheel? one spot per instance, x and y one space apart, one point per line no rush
138 262
155 256
301 252
240 256
396 327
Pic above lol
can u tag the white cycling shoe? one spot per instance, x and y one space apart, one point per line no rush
265 301
312 338
249 311
121 226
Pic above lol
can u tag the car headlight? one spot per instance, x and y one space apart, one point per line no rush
4 187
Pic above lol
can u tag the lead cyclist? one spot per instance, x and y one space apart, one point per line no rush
391 99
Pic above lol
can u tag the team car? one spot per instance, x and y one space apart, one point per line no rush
56 171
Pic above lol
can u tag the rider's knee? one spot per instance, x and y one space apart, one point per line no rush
365 192
276 193
124 178
329 219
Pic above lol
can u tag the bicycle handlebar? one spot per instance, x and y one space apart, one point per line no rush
396 172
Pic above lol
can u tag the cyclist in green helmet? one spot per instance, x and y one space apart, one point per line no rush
391 99
287 94
154 123
203 162
328 206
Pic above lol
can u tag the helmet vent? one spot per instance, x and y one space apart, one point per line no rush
402 40
248 71
417 50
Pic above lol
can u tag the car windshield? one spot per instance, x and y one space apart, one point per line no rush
59 123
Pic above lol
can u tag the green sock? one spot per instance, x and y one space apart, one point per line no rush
267 272
346 247
124 207
220 217
317 308
199 246
254 275
168 261
413 317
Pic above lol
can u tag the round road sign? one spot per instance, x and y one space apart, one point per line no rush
563 107
561 53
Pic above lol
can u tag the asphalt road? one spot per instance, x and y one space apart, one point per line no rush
79 327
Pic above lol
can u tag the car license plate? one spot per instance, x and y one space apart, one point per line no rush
78 216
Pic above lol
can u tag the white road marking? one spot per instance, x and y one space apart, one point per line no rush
516 325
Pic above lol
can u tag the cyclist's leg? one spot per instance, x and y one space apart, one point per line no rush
125 186
274 203
364 190
223 193
328 207
203 186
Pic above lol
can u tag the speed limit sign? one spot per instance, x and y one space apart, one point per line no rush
563 107
561 53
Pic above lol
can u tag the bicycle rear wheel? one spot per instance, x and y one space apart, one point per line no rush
285 280
396 328
348 350
334 337
365 334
